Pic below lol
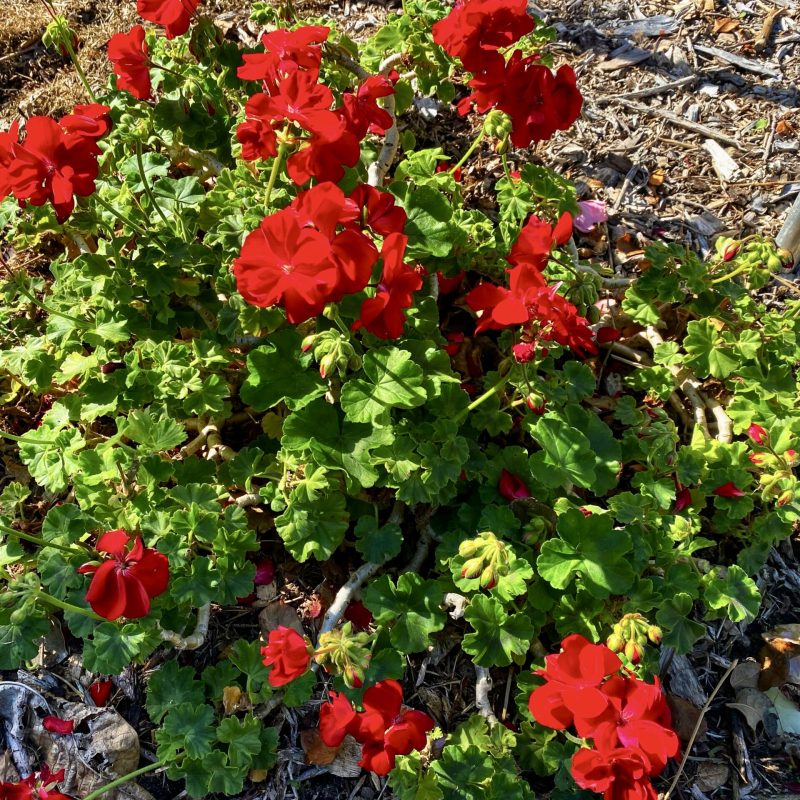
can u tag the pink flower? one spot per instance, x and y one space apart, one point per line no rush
592 213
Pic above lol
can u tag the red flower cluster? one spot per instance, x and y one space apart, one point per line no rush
56 161
130 60
173 15
292 96
385 728
529 301
288 653
124 584
316 250
538 101
37 786
627 719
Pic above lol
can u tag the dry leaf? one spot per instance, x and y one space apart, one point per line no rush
277 614
657 177
745 675
233 700
725 25
258 775
711 775
684 718
753 705
788 713
784 128
345 765
317 752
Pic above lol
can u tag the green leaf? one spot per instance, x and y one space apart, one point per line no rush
186 728
708 352
498 637
590 549
411 608
394 381
679 631
463 771
299 691
52 465
242 737
378 544
155 165
113 647
409 781
567 452
277 372
429 229
170 686
268 755
153 433
314 529
732 594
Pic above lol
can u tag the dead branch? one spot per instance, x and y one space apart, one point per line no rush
194 639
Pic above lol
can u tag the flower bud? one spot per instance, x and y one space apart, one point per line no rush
731 250
469 547
489 577
655 634
472 568
615 643
786 497
327 364
308 342
536 402
758 434
633 652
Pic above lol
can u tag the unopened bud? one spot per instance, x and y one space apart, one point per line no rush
731 250
633 652
655 634
615 643
536 402
785 497
472 568
327 364
308 342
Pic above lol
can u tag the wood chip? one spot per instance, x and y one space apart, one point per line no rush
747 64
628 58
724 166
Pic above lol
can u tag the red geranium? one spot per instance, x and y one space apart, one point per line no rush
173 15
729 489
100 691
361 110
620 774
572 692
91 121
124 584
37 786
378 210
384 314
130 60
285 52
8 139
512 487
288 653
537 238
758 434
385 729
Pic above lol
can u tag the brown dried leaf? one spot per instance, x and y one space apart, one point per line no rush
725 25
753 706
784 128
711 775
684 718
745 675
233 700
345 765
657 177
317 752
277 614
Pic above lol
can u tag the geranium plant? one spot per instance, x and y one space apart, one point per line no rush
276 327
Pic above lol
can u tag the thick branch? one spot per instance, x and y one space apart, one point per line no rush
195 639
483 686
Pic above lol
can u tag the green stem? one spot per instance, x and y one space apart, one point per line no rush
79 69
276 165
65 606
27 537
504 159
147 190
483 398
120 216
737 271
124 779
472 148
39 304
14 438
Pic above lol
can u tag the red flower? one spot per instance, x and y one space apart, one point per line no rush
256 134
100 691
287 652
386 730
361 110
8 139
572 694
59 726
758 434
728 489
37 786
357 613
378 210
124 584
524 352
683 499
512 487
337 719
173 15
383 315
537 238
91 121
475 29
265 573
619 774
325 153
130 60
642 721
52 165
286 52
449 285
